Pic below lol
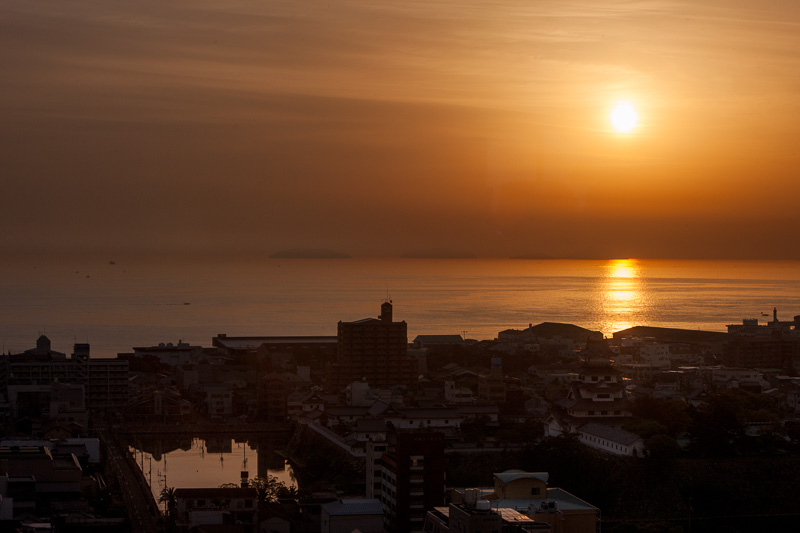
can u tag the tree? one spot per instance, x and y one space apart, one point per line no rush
662 449
168 498
646 428
671 414
268 487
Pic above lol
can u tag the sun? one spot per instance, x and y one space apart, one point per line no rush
624 117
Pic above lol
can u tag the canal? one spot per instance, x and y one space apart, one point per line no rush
209 461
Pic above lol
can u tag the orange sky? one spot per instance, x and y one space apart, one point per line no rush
401 127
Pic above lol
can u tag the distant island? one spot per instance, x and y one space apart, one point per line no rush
442 254
309 254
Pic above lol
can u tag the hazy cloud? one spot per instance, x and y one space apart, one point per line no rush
389 127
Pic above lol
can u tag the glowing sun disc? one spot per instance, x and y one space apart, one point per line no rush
624 117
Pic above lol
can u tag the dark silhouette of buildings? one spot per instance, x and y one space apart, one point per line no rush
375 351
407 474
775 344
105 381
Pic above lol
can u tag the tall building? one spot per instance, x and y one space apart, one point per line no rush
105 381
775 344
407 475
375 351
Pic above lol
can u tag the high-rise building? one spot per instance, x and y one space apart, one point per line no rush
105 381
775 344
375 351
407 474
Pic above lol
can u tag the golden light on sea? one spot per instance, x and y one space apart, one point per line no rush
622 295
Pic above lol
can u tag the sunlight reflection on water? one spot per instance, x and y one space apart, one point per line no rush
135 303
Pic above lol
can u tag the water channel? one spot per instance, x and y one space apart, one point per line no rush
210 461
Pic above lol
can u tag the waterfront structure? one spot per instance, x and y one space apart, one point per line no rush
375 351
171 354
775 344
247 346
429 341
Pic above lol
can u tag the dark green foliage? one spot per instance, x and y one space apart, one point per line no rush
672 415
662 450
719 428
168 498
646 428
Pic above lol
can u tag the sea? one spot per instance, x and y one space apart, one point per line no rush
115 304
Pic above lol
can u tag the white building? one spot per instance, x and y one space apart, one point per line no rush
611 440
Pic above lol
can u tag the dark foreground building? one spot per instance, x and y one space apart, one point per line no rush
407 475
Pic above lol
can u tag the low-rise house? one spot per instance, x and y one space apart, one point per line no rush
163 405
370 430
434 417
219 399
485 411
516 492
346 516
457 395
743 378
217 506
427 341
37 480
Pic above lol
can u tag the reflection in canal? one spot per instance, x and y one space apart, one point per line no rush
192 462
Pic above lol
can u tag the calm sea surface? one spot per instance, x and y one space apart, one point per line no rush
138 303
